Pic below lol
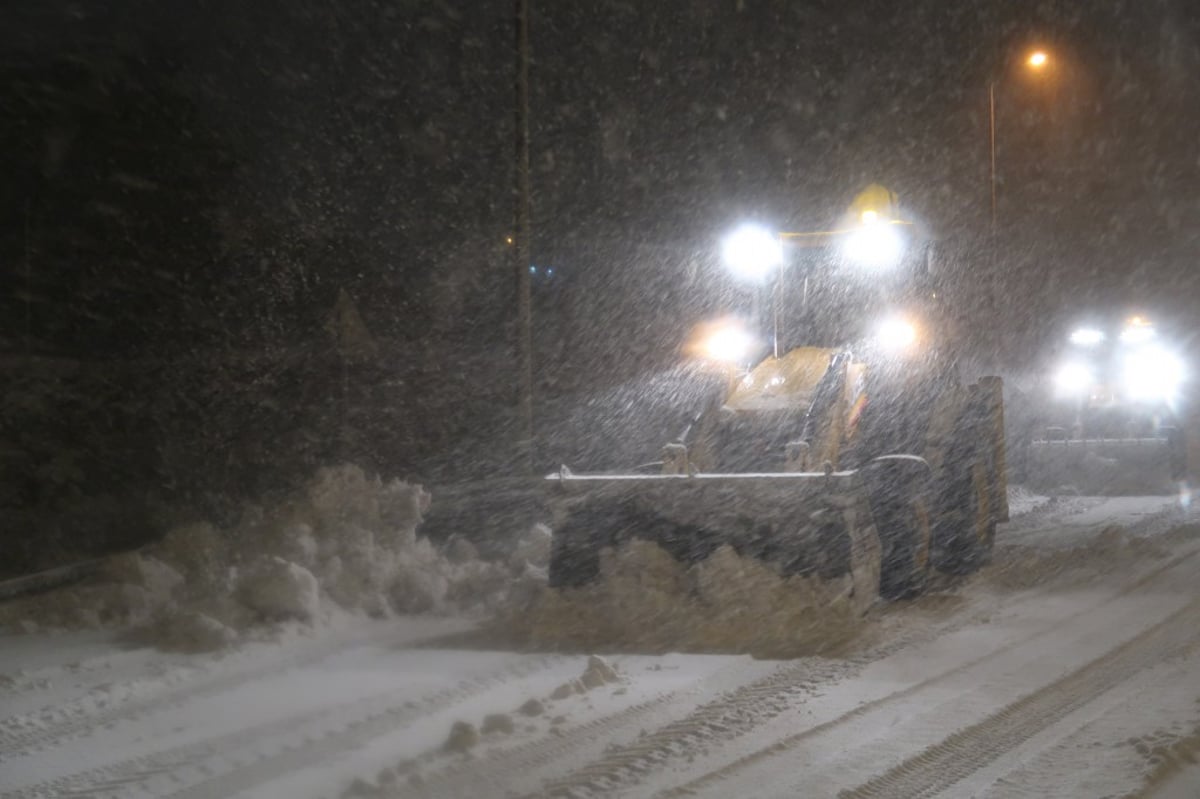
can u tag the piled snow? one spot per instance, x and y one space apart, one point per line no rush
463 736
279 589
1022 501
1076 469
533 549
1112 549
645 600
346 542
129 590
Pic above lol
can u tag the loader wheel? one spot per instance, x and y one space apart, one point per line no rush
906 537
984 516
900 505
1176 453
967 525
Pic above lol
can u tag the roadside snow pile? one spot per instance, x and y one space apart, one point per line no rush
347 541
1079 470
128 590
1111 550
1022 501
647 601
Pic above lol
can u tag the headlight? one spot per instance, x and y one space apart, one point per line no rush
1073 380
1137 331
729 345
751 252
1087 337
1153 375
875 246
896 335
726 340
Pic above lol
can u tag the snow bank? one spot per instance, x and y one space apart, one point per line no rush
347 541
278 589
1022 501
1119 470
1112 549
647 601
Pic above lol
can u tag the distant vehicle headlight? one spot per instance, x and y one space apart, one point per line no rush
877 245
1073 380
1137 331
725 340
1153 375
1087 337
896 335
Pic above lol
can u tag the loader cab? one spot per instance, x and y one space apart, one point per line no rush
809 394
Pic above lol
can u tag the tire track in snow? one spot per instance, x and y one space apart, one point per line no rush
498 767
730 716
626 765
940 766
16 735
207 762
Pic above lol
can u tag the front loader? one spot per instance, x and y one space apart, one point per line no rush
820 463
869 466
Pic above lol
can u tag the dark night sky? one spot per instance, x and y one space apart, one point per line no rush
219 169
190 186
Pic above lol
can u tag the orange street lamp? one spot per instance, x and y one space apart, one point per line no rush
1037 61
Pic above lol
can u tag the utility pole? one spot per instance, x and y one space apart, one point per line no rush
521 236
28 288
992 136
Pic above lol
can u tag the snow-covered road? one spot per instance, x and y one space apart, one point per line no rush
1070 667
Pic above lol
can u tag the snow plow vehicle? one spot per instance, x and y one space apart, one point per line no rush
1110 419
870 465
820 463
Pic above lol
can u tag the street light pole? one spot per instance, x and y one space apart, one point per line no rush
1037 61
992 134
521 249
777 291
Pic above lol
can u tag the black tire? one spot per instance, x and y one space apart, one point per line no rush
965 531
906 538
1176 453
900 507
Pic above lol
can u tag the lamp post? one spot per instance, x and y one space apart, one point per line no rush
519 241
1037 61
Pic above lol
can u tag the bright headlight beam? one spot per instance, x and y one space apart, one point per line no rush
1153 375
1137 330
728 343
1087 336
1073 380
877 246
1137 334
751 252
895 334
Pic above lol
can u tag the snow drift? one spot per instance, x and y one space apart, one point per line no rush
346 541
647 601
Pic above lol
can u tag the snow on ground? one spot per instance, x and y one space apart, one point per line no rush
1068 521
1078 641
346 542
1022 501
